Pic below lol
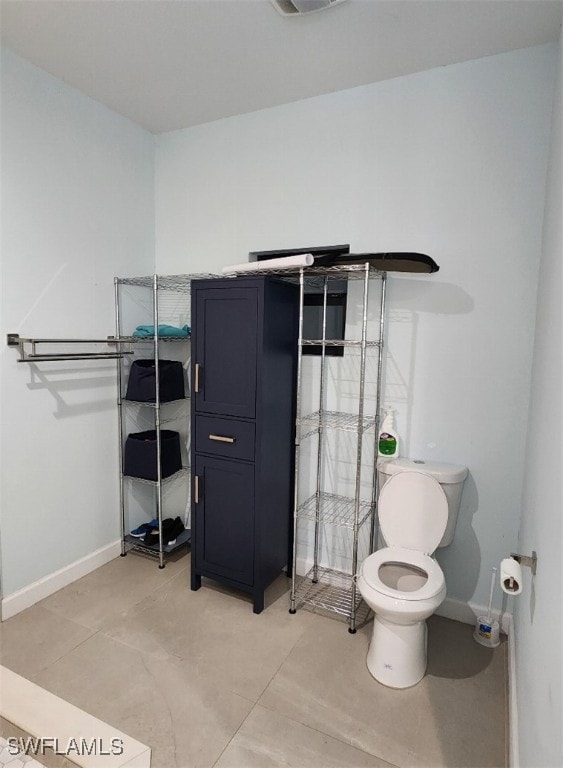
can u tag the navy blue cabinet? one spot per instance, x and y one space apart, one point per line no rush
244 348
224 523
226 350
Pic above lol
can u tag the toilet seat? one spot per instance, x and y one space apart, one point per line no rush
390 555
413 511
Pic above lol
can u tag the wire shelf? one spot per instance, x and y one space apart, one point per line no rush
174 413
332 592
314 276
348 422
179 283
337 343
153 405
164 481
145 339
153 550
334 510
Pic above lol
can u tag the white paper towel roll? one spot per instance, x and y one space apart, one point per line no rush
511 576
287 262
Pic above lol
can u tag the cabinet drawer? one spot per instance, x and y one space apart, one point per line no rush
224 437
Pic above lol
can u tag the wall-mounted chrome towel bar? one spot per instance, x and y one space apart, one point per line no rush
28 349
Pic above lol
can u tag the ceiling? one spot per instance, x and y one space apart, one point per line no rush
169 64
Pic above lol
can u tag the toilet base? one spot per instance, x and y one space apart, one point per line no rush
397 653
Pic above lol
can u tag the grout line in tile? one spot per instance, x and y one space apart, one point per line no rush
286 657
167 580
235 733
43 668
170 716
71 650
298 722
256 703
172 656
311 728
57 616
317 730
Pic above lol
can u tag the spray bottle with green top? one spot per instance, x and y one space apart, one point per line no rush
388 440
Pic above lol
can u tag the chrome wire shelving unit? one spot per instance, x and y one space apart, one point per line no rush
333 509
334 592
311 423
156 300
331 589
326 588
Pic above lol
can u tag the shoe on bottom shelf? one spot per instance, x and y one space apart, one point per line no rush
171 529
143 529
176 529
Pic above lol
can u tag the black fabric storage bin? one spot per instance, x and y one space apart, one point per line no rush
140 454
142 381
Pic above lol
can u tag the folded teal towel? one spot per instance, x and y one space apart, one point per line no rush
163 330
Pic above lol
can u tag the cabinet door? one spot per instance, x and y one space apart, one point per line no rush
226 332
225 519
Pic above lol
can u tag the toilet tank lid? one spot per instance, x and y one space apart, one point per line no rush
442 472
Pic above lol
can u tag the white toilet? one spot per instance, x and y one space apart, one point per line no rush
402 583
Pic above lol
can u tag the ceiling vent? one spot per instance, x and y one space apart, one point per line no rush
300 7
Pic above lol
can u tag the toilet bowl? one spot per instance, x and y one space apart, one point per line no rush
402 583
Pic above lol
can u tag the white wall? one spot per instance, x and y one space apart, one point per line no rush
77 209
450 162
537 615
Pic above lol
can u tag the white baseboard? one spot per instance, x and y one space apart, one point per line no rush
467 613
513 738
32 593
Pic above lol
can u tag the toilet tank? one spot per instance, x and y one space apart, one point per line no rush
450 476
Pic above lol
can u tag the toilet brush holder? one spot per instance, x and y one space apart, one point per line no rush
487 629
487 632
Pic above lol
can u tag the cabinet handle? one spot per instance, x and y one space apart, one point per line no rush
196 377
222 438
196 489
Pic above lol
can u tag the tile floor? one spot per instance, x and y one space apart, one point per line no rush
205 682
11 757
